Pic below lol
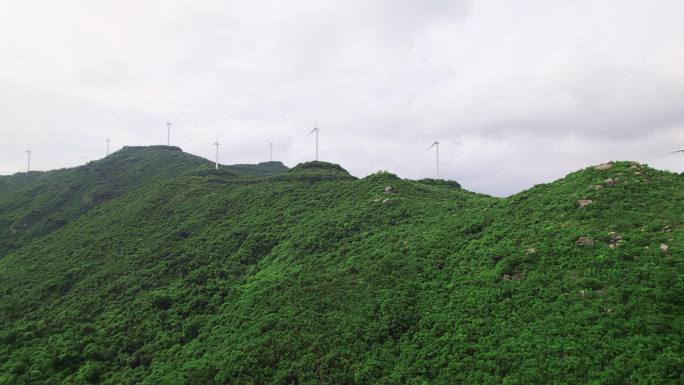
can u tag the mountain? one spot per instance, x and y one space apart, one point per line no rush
36 203
170 272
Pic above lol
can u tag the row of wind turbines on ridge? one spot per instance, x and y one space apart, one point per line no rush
314 131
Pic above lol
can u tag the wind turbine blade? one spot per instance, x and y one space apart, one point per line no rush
672 152
312 131
432 145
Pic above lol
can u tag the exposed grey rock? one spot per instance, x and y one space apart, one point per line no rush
584 241
514 277
604 166
614 240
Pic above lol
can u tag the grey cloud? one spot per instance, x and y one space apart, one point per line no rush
518 95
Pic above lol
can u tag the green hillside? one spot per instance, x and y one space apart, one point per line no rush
169 272
36 203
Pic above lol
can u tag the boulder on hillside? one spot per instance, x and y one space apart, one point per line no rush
664 248
584 202
514 277
389 190
604 166
614 240
584 241
609 182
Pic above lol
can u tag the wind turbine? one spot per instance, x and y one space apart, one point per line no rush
676 151
168 133
435 144
315 130
217 144
270 147
28 163
108 145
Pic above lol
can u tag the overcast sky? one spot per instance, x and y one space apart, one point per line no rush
518 93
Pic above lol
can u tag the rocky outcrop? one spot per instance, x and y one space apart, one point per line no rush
604 166
584 241
614 240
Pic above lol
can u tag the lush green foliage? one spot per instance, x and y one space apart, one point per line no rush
190 276
36 203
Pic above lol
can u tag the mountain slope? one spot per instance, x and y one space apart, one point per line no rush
314 276
34 204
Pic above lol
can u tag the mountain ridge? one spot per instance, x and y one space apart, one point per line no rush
63 194
315 276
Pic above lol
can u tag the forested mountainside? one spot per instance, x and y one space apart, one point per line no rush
36 203
149 267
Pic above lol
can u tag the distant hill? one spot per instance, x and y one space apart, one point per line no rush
150 267
256 170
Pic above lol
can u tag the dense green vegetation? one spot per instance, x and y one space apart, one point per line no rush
36 203
149 267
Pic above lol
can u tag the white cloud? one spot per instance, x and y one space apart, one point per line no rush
517 94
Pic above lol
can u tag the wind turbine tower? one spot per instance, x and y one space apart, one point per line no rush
217 144
270 148
108 145
436 146
28 163
168 133
315 131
